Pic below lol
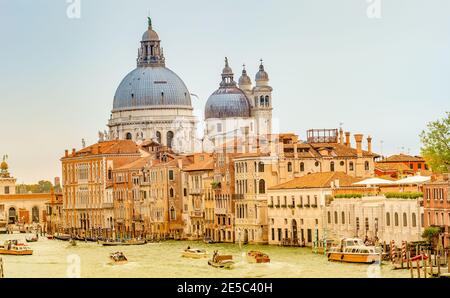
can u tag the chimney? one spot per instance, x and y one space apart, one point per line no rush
341 136
358 140
347 139
369 144
66 153
73 151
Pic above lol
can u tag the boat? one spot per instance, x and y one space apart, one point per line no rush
221 261
254 256
353 250
194 253
50 237
419 258
33 239
118 258
63 237
208 240
122 243
14 247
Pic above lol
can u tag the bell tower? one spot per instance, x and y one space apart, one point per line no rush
262 102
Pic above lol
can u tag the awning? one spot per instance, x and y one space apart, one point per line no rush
373 181
413 180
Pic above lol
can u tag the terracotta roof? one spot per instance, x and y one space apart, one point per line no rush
402 158
392 166
317 180
207 164
135 165
109 147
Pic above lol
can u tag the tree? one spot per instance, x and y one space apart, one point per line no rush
431 234
436 144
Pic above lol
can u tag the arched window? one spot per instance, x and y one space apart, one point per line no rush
329 217
289 166
35 214
332 166
109 174
262 186
169 139
302 167
343 217
173 215
261 167
12 215
267 100
366 165
414 220
129 136
261 100
158 137
396 219
171 192
405 219
388 219
350 166
335 217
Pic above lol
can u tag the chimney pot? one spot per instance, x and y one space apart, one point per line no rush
66 153
73 151
358 140
369 144
347 139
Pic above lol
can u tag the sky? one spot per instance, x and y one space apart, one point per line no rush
383 73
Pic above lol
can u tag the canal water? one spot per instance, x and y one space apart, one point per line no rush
54 258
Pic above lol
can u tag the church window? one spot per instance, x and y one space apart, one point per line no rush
158 137
169 139
302 167
267 101
332 166
129 136
366 165
350 166
262 186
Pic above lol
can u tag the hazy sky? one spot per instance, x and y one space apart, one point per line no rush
327 62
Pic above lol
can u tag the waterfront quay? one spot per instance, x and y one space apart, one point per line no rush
54 258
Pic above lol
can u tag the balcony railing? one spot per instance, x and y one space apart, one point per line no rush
196 213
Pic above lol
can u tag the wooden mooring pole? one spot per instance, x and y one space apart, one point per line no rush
418 268
1 268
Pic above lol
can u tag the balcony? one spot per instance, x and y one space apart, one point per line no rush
299 206
196 214
283 206
306 205
196 191
237 197
108 205
291 206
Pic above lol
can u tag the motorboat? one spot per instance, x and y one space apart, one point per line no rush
118 258
194 253
14 247
122 243
353 250
254 256
221 261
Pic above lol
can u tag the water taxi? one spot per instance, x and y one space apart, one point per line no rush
353 250
13 247
118 258
194 253
221 261
257 257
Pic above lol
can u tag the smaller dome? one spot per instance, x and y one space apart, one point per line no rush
261 75
4 166
227 102
150 35
244 79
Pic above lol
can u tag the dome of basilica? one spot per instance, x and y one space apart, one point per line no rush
228 101
151 87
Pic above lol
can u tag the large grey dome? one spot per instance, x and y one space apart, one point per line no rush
151 87
227 102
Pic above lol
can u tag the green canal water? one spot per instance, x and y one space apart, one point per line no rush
54 258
